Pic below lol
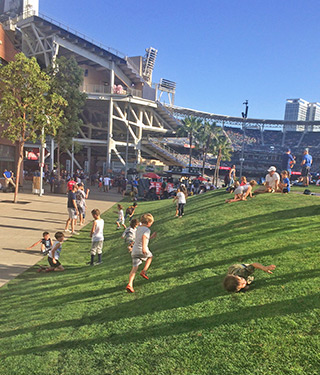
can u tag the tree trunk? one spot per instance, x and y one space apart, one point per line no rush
204 161
58 161
190 151
20 159
218 167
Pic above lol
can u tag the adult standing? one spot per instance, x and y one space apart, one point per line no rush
8 179
232 175
71 183
272 182
106 184
72 210
306 166
287 162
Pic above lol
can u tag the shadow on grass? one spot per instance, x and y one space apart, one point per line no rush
239 316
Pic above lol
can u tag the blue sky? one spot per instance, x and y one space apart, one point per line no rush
220 53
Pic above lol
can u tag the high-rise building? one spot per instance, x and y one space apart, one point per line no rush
313 113
296 110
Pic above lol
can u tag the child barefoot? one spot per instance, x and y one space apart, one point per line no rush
238 191
120 217
97 236
46 243
129 234
140 251
239 276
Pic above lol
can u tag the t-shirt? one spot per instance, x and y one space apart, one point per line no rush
120 215
81 198
46 243
130 210
140 232
181 197
287 181
239 190
106 181
70 184
71 197
242 270
286 160
129 234
308 160
7 174
57 252
272 179
98 232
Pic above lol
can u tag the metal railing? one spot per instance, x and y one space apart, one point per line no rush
105 89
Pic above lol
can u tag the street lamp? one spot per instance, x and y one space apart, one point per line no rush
244 116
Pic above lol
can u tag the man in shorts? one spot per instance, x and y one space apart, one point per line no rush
72 210
306 166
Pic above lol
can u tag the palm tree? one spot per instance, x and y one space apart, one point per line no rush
189 128
223 149
205 136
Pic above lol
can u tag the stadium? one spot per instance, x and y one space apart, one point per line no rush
125 123
124 120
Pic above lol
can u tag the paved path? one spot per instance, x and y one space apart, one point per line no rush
22 224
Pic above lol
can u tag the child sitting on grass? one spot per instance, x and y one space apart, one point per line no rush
120 217
243 181
239 276
129 234
54 255
284 186
97 236
140 250
46 243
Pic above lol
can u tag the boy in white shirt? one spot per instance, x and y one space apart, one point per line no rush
120 217
140 251
97 236
129 234
181 197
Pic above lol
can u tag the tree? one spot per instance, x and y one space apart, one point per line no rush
189 128
205 136
222 148
66 78
27 106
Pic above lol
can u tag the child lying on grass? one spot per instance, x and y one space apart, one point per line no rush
242 192
239 276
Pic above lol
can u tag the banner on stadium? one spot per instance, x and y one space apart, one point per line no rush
145 168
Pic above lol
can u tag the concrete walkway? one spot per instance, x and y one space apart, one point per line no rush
22 224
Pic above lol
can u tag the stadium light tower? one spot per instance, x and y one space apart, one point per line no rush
244 116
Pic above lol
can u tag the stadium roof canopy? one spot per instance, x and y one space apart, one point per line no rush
181 112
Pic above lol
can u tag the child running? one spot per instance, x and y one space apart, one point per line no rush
120 217
46 243
129 234
140 251
130 211
54 255
181 197
239 276
97 237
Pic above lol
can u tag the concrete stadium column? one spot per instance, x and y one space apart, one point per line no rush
110 120
139 138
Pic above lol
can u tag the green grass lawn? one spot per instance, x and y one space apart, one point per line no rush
181 321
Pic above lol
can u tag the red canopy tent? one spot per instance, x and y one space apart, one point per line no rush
151 175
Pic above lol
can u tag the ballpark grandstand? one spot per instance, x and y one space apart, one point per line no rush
124 121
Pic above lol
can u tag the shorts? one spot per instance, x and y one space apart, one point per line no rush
72 213
80 210
52 264
238 190
138 258
96 247
305 171
120 221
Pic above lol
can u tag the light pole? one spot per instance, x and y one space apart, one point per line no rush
42 151
244 116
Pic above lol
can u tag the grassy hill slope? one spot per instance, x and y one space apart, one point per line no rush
181 321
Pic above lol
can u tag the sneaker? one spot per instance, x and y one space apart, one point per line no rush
67 230
75 233
144 275
98 263
129 289
118 228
